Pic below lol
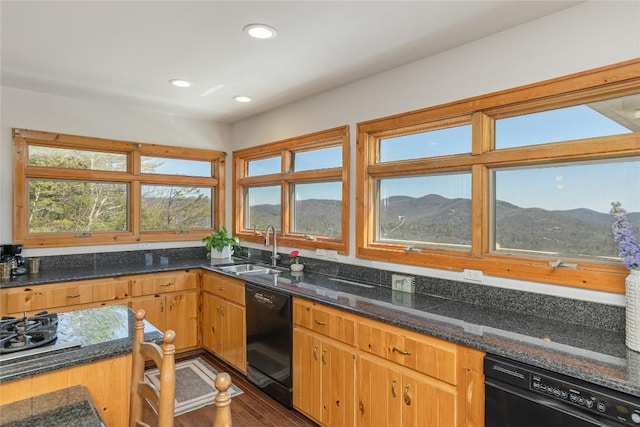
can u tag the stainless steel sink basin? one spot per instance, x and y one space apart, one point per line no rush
248 269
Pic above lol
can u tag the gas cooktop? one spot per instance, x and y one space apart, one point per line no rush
23 336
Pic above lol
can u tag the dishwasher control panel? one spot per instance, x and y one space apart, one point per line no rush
605 404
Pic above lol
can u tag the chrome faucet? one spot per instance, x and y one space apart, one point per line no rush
274 254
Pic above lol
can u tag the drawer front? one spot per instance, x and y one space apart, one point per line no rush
71 295
32 298
150 284
225 287
302 312
29 298
334 323
111 290
428 355
324 320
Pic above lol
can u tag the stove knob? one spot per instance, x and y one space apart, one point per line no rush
601 407
635 417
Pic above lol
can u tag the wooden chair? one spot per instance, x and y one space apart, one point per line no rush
222 401
160 399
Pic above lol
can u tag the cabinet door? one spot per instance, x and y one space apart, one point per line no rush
306 374
379 393
212 327
234 345
182 317
154 306
338 366
427 402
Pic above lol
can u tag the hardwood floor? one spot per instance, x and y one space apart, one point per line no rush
253 408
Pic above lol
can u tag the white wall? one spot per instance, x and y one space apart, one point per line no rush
39 111
586 36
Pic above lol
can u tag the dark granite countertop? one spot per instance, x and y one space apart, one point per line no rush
577 350
100 333
71 406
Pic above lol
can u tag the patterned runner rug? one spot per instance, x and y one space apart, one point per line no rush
194 385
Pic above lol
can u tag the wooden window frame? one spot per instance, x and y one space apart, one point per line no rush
482 111
338 136
22 138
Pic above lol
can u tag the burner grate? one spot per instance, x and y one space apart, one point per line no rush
19 334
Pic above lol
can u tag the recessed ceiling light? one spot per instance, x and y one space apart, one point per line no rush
260 31
241 98
179 83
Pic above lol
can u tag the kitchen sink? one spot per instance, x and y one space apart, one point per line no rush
248 269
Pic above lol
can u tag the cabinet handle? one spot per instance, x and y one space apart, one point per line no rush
393 388
324 360
221 288
403 352
167 284
73 296
407 399
320 322
315 352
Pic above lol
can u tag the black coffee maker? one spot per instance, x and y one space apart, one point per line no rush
11 254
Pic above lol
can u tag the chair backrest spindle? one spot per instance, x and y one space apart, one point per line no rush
161 398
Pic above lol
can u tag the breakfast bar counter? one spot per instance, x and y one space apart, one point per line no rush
71 406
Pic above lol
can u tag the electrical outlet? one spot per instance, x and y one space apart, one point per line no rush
472 275
332 254
144 245
403 283
321 252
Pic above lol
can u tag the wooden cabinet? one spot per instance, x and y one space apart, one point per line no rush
415 378
67 296
223 319
391 395
350 370
108 381
324 363
171 302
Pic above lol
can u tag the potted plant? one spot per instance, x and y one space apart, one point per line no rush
218 243
295 261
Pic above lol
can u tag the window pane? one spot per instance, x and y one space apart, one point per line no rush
76 159
609 117
323 158
441 142
564 210
165 207
262 207
168 166
317 209
61 206
434 209
264 166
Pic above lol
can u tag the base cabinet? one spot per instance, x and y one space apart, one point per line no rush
324 364
323 379
170 301
389 395
350 370
223 319
108 382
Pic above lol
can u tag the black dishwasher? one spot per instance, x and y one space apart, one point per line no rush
269 342
520 395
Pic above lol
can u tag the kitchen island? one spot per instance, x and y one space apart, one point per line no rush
94 350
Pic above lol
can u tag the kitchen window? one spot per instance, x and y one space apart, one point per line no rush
300 186
74 190
517 184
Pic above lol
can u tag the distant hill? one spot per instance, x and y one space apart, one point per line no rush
434 218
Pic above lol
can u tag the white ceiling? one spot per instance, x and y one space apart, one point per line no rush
124 52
